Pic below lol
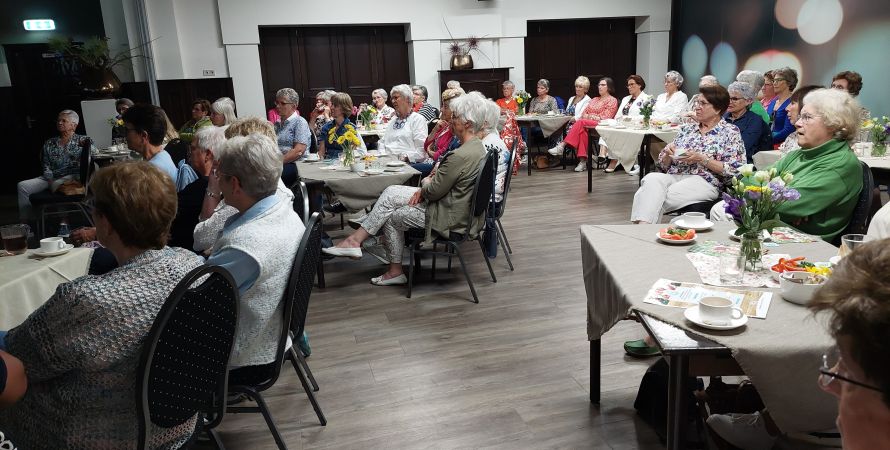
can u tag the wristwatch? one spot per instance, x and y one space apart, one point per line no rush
212 194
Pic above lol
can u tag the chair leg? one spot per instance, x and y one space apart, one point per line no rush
504 234
264 410
298 356
504 247
312 399
433 274
214 438
487 260
463 266
410 267
41 225
320 273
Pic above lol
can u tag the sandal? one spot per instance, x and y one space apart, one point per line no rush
639 349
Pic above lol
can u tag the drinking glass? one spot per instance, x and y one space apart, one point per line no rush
15 238
731 268
850 242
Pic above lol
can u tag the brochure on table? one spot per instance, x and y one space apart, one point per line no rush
679 294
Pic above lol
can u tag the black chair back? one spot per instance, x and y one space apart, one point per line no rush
178 150
484 185
301 200
300 286
508 177
863 211
86 162
183 367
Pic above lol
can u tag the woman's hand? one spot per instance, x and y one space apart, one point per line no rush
213 179
416 199
666 155
85 234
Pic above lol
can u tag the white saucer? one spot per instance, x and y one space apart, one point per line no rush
395 164
374 171
673 241
680 223
691 314
835 260
392 169
765 235
67 248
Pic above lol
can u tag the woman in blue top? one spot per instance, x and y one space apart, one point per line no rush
294 137
341 107
784 82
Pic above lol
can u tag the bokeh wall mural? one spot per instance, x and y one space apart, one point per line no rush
818 38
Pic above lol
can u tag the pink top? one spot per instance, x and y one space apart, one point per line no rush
601 108
442 138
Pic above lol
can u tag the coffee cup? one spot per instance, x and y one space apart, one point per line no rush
694 219
52 244
718 311
312 157
679 152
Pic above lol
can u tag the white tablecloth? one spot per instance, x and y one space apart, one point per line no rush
766 158
624 143
27 281
549 123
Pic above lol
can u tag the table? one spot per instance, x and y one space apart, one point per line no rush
354 191
621 262
379 131
27 281
880 166
549 124
630 146
766 158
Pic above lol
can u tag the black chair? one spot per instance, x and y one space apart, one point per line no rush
65 204
184 363
296 303
178 150
497 209
301 207
702 207
863 211
482 192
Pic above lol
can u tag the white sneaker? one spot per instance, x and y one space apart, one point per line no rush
635 170
557 149
745 431
581 167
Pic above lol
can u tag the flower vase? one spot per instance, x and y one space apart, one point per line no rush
751 251
879 149
645 122
520 109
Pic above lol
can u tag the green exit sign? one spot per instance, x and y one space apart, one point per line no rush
39 24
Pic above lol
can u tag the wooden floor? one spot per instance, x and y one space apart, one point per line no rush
437 371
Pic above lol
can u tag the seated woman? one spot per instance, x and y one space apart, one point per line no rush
81 371
826 172
118 130
543 103
696 164
222 112
851 82
508 102
793 109
440 139
61 162
341 108
407 131
421 106
512 137
630 108
439 205
574 108
768 93
603 106
13 380
755 132
670 104
321 114
784 82
294 137
200 119
384 111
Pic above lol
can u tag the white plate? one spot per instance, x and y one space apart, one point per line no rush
835 260
619 127
682 224
692 315
374 171
392 169
395 164
673 241
67 248
764 233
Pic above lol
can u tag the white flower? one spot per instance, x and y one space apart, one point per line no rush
787 177
761 176
777 181
746 170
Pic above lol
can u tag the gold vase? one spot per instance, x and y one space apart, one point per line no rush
461 62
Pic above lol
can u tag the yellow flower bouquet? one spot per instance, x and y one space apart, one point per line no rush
348 141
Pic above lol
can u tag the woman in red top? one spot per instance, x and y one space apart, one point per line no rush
603 106
508 102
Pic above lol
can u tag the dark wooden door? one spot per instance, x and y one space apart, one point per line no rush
351 59
560 50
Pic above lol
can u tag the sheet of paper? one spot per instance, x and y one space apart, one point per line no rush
678 294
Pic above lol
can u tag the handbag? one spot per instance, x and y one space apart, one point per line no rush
71 187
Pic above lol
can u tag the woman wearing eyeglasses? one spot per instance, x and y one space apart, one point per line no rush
784 82
755 132
406 131
294 136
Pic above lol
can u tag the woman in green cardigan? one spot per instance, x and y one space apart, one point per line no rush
440 205
200 119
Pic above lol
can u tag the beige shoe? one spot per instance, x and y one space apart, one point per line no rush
581 167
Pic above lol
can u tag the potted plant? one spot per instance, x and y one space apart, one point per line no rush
95 63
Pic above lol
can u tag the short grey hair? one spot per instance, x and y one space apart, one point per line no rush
789 74
226 107
839 111
509 84
71 115
453 84
123 101
470 108
742 88
708 80
210 138
752 77
254 160
381 92
422 89
545 83
288 94
403 90
492 114
674 77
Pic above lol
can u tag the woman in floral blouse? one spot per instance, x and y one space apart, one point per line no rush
695 164
61 162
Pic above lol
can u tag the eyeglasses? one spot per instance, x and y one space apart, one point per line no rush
701 103
832 360
838 86
631 84
735 99
277 103
807 117
778 80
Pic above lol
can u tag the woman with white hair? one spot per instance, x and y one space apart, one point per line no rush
407 131
439 205
826 173
756 80
755 132
384 111
222 112
61 162
508 101
670 104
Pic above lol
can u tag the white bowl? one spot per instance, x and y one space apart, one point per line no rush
797 292
777 275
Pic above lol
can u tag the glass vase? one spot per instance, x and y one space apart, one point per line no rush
879 149
751 252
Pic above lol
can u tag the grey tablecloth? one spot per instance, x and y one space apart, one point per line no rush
781 354
26 281
549 123
624 144
354 191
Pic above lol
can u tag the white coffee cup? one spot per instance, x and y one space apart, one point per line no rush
694 219
718 311
52 244
312 157
678 152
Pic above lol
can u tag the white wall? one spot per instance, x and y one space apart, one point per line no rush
502 23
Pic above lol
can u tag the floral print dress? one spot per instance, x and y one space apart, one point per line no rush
723 143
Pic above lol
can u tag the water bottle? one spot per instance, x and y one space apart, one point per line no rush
64 231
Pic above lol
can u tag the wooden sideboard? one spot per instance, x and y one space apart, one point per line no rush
486 81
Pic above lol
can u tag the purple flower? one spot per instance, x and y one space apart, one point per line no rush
732 206
790 194
753 195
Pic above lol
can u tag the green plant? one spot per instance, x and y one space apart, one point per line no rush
94 53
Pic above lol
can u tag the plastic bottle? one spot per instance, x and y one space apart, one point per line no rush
64 231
